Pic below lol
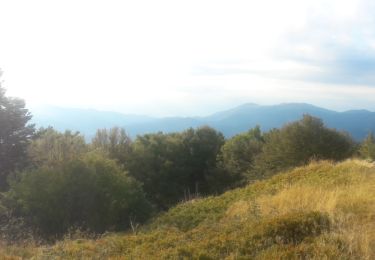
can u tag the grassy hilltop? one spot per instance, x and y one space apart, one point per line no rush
323 210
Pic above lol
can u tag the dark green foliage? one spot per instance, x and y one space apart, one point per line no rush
200 150
13 229
367 149
299 142
178 166
15 135
238 153
92 193
151 163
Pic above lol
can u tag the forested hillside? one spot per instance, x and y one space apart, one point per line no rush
159 194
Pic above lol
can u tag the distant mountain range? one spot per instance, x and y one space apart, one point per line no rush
230 122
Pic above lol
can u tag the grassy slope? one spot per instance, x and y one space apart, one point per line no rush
323 210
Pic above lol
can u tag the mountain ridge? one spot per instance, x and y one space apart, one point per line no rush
231 122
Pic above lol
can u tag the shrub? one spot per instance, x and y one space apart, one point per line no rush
299 142
92 193
13 229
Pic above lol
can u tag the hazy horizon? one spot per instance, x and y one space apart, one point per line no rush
44 108
173 58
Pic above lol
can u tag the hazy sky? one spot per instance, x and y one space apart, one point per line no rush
188 57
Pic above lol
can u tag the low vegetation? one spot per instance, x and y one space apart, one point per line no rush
323 210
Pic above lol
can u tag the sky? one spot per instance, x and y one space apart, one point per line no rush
185 58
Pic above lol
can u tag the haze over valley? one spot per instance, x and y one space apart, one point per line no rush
358 123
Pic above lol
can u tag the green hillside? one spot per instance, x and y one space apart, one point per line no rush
323 210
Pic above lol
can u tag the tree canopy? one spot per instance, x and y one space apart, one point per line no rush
175 166
115 142
238 153
15 135
51 148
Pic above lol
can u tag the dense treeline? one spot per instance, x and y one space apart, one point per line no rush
52 182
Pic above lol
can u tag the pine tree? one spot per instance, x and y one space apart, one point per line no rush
15 134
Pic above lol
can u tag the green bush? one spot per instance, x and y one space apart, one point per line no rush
299 142
13 228
92 193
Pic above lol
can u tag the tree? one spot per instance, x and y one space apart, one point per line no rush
299 142
92 193
52 148
156 161
238 153
201 147
15 135
176 166
367 148
115 142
